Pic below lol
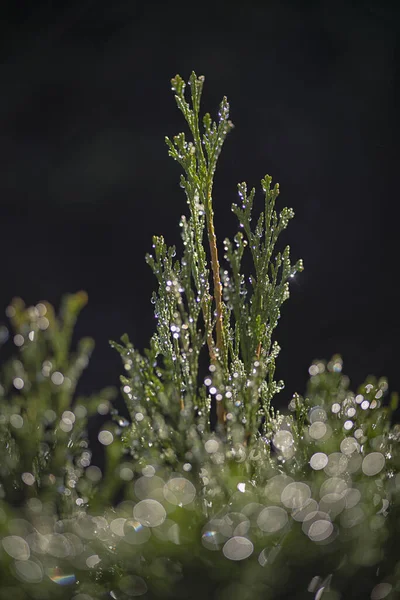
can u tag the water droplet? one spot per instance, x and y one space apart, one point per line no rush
272 518
238 548
373 463
295 495
318 461
149 513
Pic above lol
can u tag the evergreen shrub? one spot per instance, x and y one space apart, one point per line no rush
207 491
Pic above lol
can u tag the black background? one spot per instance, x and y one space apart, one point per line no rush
85 178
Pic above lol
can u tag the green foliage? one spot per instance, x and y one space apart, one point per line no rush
166 402
43 424
259 505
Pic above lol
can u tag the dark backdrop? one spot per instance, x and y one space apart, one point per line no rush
85 179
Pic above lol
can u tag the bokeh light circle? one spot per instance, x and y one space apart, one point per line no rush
149 513
238 548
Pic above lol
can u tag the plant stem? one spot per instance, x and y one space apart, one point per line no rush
217 292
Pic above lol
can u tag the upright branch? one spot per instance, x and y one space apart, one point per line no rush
199 303
200 165
217 293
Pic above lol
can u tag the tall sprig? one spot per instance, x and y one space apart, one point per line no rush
254 312
244 322
197 303
199 159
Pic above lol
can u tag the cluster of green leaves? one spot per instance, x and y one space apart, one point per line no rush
255 314
348 431
37 389
102 546
43 423
198 304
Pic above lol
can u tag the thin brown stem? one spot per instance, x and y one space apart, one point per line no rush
217 294
210 341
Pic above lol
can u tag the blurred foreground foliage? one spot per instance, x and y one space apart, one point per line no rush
207 490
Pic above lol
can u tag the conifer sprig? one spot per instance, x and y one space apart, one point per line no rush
45 441
199 165
244 322
199 303
256 311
